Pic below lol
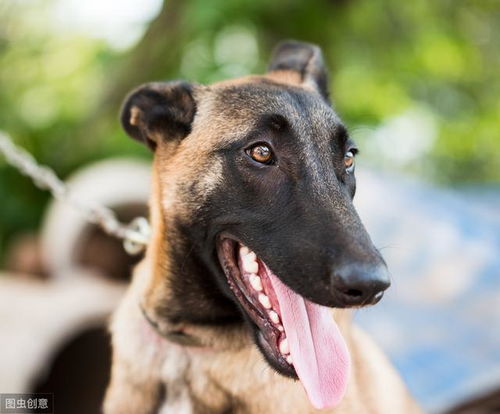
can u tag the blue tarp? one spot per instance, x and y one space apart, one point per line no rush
440 320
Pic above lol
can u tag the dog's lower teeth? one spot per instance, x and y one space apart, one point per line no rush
264 301
249 264
284 348
274 317
255 282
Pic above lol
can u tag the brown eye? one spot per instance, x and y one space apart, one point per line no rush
261 153
349 161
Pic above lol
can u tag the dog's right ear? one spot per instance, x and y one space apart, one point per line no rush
159 110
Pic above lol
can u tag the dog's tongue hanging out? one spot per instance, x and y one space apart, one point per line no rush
318 350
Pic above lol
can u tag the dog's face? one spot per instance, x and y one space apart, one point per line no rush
255 180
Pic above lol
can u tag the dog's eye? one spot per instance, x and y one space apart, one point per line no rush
349 160
261 153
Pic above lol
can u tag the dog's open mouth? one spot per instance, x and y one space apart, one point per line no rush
298 338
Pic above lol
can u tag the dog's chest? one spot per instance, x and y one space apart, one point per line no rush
229 383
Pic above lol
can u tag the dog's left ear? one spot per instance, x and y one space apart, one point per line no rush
305 59
159 111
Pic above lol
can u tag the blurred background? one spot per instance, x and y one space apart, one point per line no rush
416 82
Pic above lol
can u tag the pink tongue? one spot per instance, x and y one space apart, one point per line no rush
318 349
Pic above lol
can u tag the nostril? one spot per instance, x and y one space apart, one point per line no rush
355 293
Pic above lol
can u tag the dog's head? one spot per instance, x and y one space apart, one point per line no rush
253 215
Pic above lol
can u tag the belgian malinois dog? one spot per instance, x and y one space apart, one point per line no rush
255 240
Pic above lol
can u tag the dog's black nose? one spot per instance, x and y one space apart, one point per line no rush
359 284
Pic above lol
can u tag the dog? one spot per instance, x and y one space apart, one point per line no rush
255 245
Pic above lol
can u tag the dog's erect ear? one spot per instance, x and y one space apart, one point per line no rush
304 58
159 110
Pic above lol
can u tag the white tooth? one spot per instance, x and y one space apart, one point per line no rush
255 282
289 359
264 300
244 250
274 317
284 348
249 265
251 256
280 328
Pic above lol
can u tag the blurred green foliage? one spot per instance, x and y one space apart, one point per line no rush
417 82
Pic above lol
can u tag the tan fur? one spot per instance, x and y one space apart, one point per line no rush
227 374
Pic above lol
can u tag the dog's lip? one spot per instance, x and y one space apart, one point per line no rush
177 336
267 335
